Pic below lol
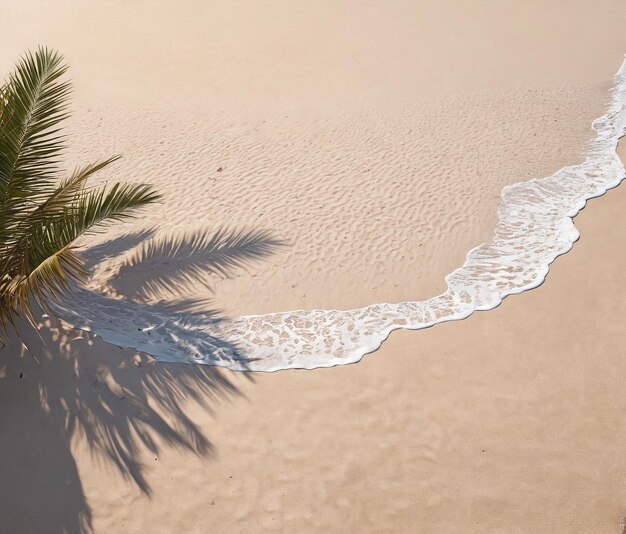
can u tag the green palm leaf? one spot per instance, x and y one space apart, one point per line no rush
42 214
30 147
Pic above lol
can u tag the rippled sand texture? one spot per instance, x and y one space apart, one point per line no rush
508 421
390 130
534 227
364 198
380 160
379 199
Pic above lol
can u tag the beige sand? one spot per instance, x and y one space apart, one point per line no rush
376 140
379 156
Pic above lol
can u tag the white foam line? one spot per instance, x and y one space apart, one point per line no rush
534 227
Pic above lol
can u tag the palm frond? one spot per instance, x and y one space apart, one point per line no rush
67 191
49 281
4 109
50 261
30 145
86 214
33 104
29 222
42 215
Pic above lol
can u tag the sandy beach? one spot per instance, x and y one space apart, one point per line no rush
374 140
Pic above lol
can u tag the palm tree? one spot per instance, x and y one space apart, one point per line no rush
42 213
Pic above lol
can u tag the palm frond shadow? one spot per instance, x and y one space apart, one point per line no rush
114 247
124 405
119 402
173 264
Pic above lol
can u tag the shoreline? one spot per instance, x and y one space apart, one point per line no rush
534 227
519 408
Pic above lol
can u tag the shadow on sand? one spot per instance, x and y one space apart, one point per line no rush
172 264
73 389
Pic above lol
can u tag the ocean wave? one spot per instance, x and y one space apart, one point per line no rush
534 227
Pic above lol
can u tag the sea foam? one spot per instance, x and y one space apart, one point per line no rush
534 226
